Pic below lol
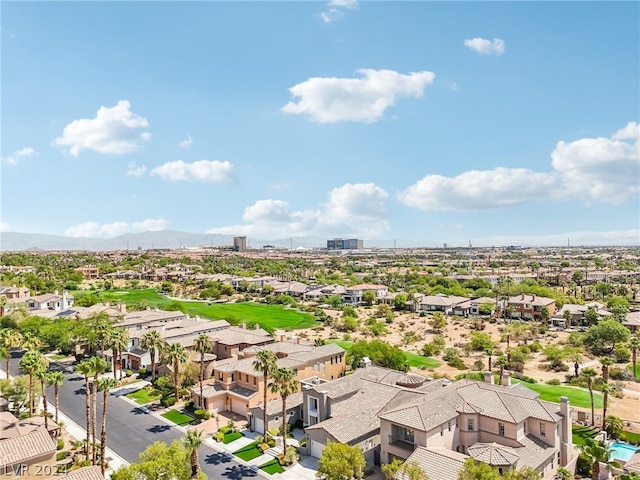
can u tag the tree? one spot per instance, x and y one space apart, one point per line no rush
634 346
399 301
545 315
576 357
340 461
160 461
379 352
438 322
597 452
369 297
98 366
118 341
105 385
284 384
56 379
501 363
265 363
31 361
41 374
567 318
193 441
590 374
202 344
9 338
390 469
614 426
475 470
602 338
411 471
86 370
176 354
606 363
563 474
591 316
152 342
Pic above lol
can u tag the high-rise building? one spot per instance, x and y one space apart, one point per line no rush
240 244
344 244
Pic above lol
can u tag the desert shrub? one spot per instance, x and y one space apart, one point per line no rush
263 447
60 444
128 373
271 442
527 379
202 414
553 381
619 374
142 372
622 354
457 362
61 456
478 365
168 402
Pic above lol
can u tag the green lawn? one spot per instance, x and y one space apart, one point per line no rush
631 437
177 417
248 452
269 317
630 368
552 393
231 436
580 433
272 467
145 395
413 359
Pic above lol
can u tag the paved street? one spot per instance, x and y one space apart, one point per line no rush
129 432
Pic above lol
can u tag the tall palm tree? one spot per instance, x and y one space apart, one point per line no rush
152 342
606 362
86 370
41 374
10 338
590 374
502 362
285 384
634 346
202 344
56 379
31 361
30 342
118 341
176 354
105 385
193 441
98 366
265 363
597 452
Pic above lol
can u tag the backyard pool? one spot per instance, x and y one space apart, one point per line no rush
622 451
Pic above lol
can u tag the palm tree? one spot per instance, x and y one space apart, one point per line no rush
152 341
265 363
590 374
86 369
10 338
30 363
202 344
634 346
606 363
176 354
563 474
30 342
502 362
576 358
489 351
56 379
597 452
118 341
285 384
105 384
98 365
41 374
193 440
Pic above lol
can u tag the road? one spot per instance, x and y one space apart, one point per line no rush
130 432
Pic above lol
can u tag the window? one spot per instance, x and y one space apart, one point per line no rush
405 434
470 424
543 430
501 429
441 430
254 380
247 378
449 425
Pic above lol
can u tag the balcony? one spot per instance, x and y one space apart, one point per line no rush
402 443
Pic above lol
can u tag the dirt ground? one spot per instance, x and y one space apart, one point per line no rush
457 331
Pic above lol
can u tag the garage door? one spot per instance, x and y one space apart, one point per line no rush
216 405
316 449
258 424
239 407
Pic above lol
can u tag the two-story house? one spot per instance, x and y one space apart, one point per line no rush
50 301
353 295
530 307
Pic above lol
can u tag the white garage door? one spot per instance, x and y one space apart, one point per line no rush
239 407
217 404
258 424
316 449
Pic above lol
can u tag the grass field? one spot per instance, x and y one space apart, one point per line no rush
552 393
177 417
145 395
579 433
413 359
630 368
272 467
248 452
231 436
269 317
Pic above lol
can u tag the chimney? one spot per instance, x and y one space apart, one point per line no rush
55 292
506 379
365 362
522 298
533 297
488 377
566 444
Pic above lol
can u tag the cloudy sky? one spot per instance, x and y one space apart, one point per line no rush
425 121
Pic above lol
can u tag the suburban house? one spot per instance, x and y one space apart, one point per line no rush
14 293
506 426
471 307
88 273
353 295
50 301
236 386
632 322
577 314
530 307
439 303
321 292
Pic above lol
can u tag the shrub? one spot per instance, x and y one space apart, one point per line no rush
263 447
61 456
142 372
274 432
527 379
218 437
619 374
168 402
128 373
457 362
189 405
553 381
202 414
60 444
271 443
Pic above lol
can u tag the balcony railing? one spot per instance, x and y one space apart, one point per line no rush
402 443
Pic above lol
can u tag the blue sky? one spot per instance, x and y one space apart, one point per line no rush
435 122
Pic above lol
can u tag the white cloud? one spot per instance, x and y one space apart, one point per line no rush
186 143
478 190
4 227
630 132
17 155
330 100
592 169
133 170
200 171
352 209
484 46
94 229
114 130
336 10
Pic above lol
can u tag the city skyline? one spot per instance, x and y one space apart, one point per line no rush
493 122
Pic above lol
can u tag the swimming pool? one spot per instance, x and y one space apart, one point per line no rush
622 451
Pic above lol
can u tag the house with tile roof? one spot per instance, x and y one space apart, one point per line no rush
530 307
